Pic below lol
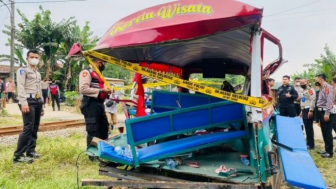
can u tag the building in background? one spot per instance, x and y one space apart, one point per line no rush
5 69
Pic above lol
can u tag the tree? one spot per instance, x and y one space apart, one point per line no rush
73 66
18 50
43 34
113 71
325 64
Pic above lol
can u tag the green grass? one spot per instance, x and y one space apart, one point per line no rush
15 120
327 166
55 169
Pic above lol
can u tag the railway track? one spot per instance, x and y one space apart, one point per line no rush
14 130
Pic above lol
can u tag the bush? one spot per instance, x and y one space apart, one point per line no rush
71 98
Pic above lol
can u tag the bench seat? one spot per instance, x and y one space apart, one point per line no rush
166 149
298 167
161 126
300 170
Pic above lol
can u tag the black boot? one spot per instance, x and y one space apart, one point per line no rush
112 127
23 159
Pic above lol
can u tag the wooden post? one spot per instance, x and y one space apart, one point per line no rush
78 102
49 99
3 103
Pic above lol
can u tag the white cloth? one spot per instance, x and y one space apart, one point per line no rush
112 109
333 111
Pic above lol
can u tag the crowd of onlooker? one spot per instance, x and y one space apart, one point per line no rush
7 91
313 102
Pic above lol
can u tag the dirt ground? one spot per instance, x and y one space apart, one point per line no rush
66 113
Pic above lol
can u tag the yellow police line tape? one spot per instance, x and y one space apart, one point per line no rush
147 85
153 85
168 78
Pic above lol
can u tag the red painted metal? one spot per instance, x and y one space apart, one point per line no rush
162 68
272 67
179 20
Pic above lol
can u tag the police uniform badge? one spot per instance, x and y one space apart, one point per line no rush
327 90
310 92
84 74
22 72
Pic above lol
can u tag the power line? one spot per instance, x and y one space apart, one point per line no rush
292 9
57 1
308 11
300 17
53 1
4 20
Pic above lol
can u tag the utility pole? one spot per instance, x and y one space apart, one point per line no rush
12 40
12 28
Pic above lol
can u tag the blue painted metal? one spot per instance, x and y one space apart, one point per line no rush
106 151
170 148
166 101
289 132
185 145
184 120
300 170
144 129
298 167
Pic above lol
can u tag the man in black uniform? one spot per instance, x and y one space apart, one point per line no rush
94 93
287 95
30 103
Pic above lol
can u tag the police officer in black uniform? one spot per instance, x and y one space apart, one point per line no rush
30 103
92 107
286 95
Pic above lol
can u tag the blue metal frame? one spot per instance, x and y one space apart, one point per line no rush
170 114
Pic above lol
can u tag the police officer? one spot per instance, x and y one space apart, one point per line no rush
286 97
45 89
92 106
30 103
297 101
308 98
324 106
333 116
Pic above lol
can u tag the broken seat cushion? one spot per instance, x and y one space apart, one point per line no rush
166 149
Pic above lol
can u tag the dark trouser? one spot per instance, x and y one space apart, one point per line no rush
326 128
308 124
333 116
45 95
31 122
288 111
95 119
55 98
10 95
297 109
316 116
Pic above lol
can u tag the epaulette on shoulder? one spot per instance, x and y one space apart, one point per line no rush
89 69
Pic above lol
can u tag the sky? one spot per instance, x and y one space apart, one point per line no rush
303 26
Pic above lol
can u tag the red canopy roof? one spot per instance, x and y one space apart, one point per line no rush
179 20
189 34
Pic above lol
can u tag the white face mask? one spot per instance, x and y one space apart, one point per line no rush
297 83
33 61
